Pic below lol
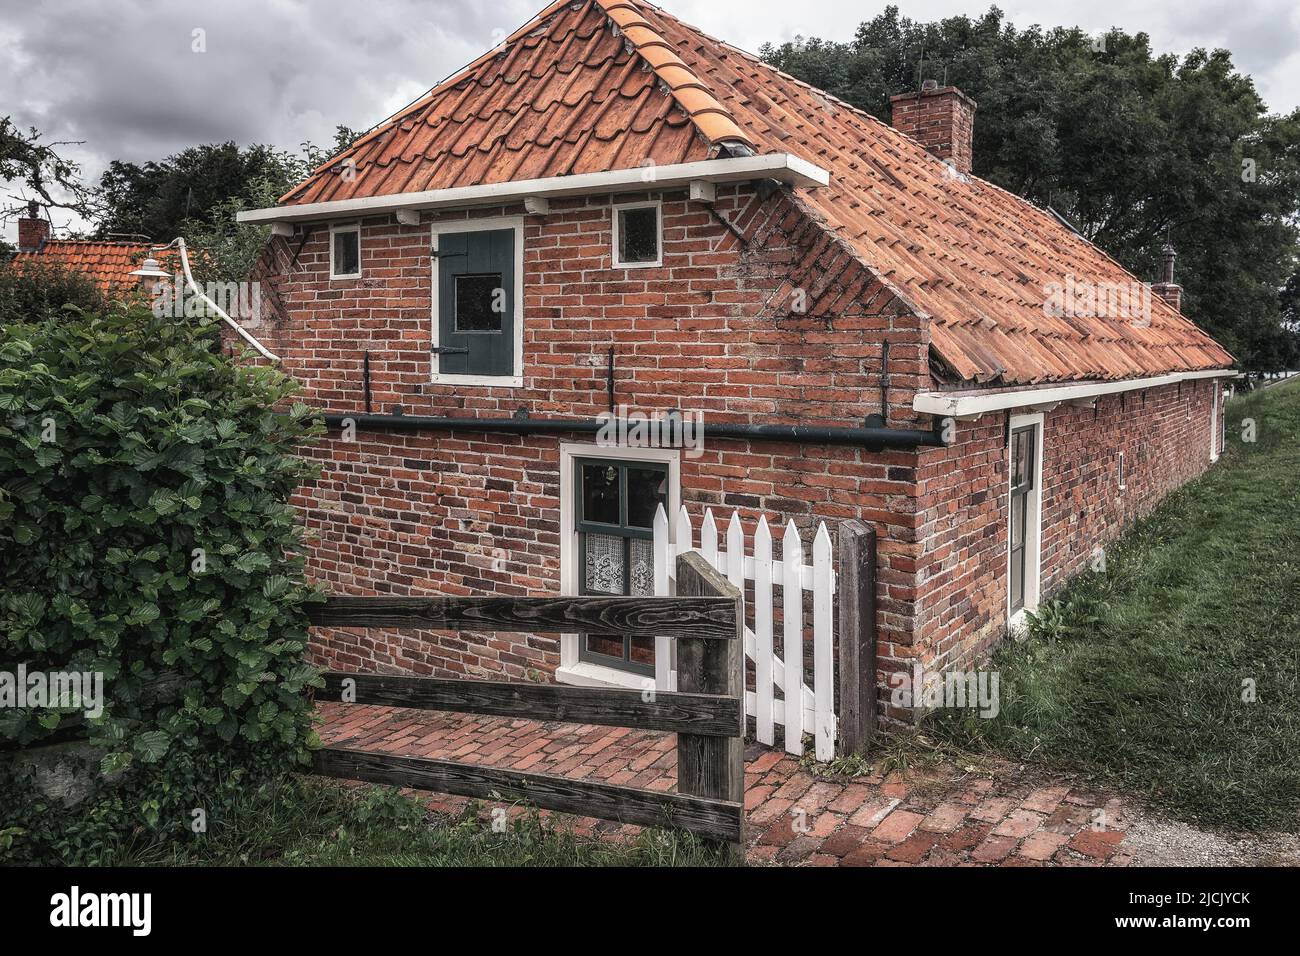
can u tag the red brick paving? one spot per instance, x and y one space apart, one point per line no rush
940 818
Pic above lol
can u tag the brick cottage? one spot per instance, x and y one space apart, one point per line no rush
611 210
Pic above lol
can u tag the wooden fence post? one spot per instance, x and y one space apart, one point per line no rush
857 594
711 766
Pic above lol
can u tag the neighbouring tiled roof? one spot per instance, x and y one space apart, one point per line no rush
609 84
108 263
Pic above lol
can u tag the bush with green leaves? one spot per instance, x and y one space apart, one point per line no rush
146 534
31 290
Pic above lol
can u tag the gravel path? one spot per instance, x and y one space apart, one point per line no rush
1156 842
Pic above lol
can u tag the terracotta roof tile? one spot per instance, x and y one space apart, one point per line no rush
606 84
108 263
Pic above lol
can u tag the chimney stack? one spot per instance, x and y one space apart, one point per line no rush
1166 288
940 118
32 229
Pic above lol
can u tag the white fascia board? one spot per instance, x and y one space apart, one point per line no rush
779 166
967 404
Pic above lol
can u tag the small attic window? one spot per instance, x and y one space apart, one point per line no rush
637 235
345 252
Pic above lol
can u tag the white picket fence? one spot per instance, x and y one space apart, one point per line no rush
815 712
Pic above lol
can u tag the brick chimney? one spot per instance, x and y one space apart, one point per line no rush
32 229
940 118
1166 288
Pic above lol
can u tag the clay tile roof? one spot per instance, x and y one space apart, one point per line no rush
592 85
108 263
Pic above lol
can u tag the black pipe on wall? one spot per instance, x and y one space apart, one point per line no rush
873 436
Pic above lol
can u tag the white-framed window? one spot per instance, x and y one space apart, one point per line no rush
1216 400
1024 516
345 251
604 536
638 234
477 302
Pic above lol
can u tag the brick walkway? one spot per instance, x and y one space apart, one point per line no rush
946 817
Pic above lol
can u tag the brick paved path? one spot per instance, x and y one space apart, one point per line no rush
945 817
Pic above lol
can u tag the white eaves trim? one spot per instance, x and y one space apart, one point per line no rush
967 404
779 166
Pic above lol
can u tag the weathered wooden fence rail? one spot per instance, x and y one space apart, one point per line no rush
706 619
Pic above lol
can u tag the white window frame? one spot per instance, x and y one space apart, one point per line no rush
572 670
516 223
1216 400
334 230
658 206
1033 523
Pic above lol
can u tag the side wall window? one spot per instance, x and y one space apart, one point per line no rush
638 234
345 252
1024 513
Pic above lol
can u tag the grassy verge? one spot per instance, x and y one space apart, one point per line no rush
1142 676
312 822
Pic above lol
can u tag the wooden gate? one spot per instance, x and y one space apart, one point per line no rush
706 711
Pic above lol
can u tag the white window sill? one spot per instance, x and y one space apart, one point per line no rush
490 381
587 674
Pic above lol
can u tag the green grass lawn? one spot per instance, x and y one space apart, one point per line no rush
1136 675
312 822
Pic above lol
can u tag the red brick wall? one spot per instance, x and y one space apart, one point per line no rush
711 330
1164 434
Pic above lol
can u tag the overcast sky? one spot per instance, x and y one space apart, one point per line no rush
124 77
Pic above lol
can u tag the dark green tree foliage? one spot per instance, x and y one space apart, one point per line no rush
145 533
198 185
155 199
1129 146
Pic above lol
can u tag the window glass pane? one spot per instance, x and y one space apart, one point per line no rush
1017 579
605 644
1017 520
347 253
600 494
604 563
638 235
641 575
1017 459
480 302
646 489
643 650
1031 449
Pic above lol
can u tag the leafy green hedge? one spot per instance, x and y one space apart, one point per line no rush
145 533
33 290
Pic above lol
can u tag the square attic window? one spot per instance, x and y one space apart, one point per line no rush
636 235
345 253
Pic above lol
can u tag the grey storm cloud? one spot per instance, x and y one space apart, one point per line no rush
123 77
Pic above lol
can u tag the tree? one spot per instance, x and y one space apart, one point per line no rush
1130 147
158 198
38 167
197 192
